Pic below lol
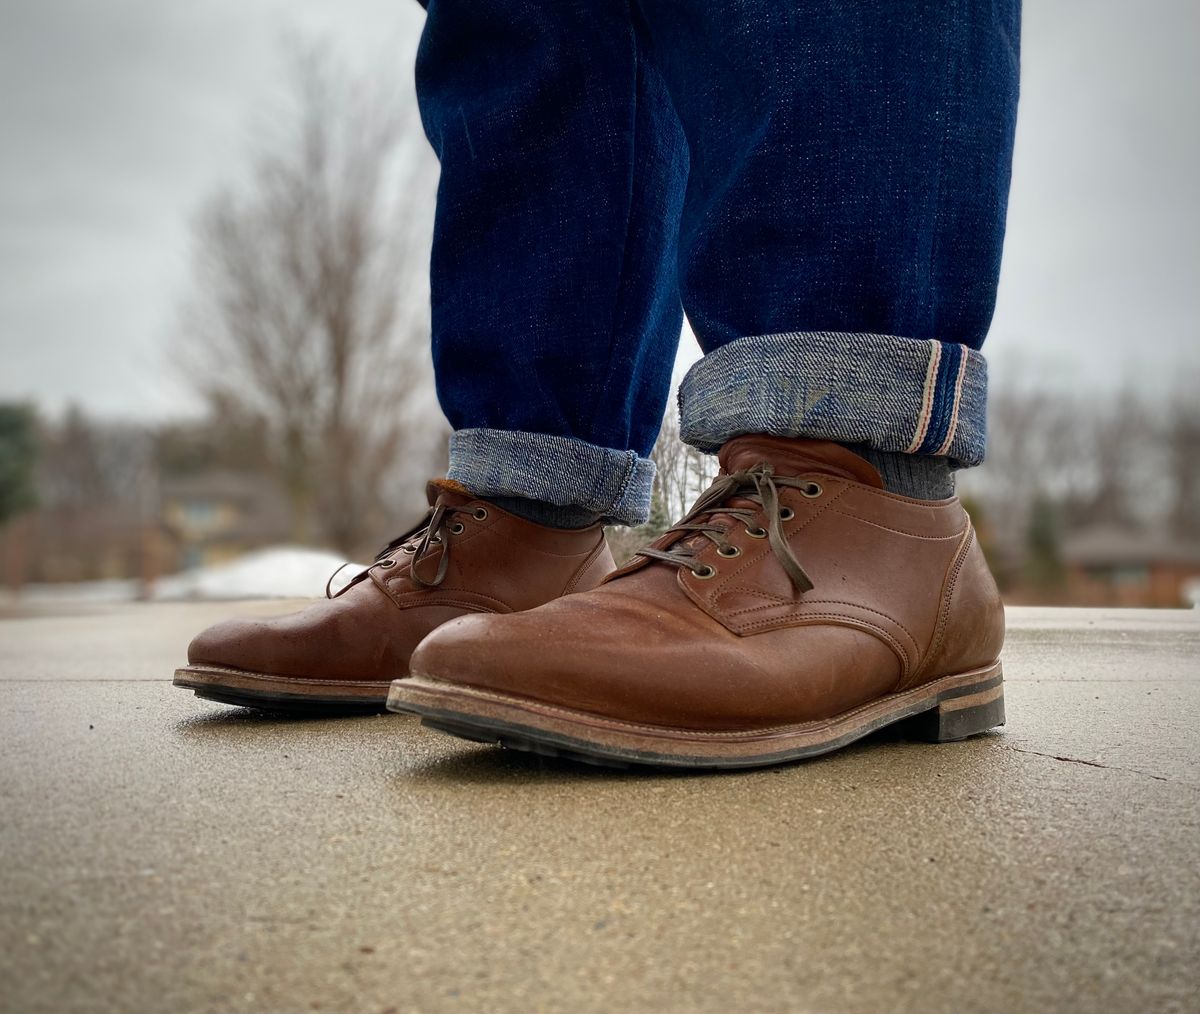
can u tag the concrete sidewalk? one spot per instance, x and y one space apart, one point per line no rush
161 853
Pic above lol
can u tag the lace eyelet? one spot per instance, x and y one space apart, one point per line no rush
813 489
408 549
704 573
786 513
384 564
458 528
756 533
480 514
729 552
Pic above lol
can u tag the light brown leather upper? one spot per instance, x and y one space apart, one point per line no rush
498 563
901 596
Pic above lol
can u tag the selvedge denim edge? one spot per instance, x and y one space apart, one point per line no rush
894 394
558 470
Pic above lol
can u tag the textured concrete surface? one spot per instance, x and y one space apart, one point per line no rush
161 853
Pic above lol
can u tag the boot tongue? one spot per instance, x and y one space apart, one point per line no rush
453 493
797 456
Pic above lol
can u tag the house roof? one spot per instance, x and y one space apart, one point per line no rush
220 485
262 512
1112 546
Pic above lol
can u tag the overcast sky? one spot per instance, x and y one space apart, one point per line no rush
118 118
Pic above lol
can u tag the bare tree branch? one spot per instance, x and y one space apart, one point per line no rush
309 306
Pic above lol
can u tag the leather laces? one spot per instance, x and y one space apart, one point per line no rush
761 488
419 542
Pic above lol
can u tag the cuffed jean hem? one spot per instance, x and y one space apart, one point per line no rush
613 485
892 394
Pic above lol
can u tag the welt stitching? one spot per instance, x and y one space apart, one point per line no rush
839 602
775 599
585 567
849 621
944 612
422 598
901 531
474 607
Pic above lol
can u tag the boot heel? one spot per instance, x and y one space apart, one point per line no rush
955 718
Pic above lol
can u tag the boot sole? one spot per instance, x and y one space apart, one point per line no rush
947 709
287 694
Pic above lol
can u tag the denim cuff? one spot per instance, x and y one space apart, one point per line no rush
613 485
892 394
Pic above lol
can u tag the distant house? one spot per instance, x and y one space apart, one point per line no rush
1109 566
213 517
77 543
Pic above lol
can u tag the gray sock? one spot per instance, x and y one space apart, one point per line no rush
917 475
542 513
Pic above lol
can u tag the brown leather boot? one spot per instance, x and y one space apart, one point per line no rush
468 556
796 608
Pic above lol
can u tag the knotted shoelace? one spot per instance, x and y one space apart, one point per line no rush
418 542
761 488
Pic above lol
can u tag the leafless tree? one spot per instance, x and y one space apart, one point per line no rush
310 306
682 474
1182 444
95 499
1100 460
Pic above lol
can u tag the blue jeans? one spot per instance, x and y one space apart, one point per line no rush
820 184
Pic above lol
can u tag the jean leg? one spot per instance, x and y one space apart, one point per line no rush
842 230
555 300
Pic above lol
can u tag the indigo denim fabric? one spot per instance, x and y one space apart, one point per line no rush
891 394
822 184
601 482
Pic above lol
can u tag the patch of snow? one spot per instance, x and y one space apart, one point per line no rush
278 572
273 573
80 591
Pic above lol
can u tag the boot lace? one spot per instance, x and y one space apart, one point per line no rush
418 542
760 487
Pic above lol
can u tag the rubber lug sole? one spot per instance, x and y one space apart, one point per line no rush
946 710
280 694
